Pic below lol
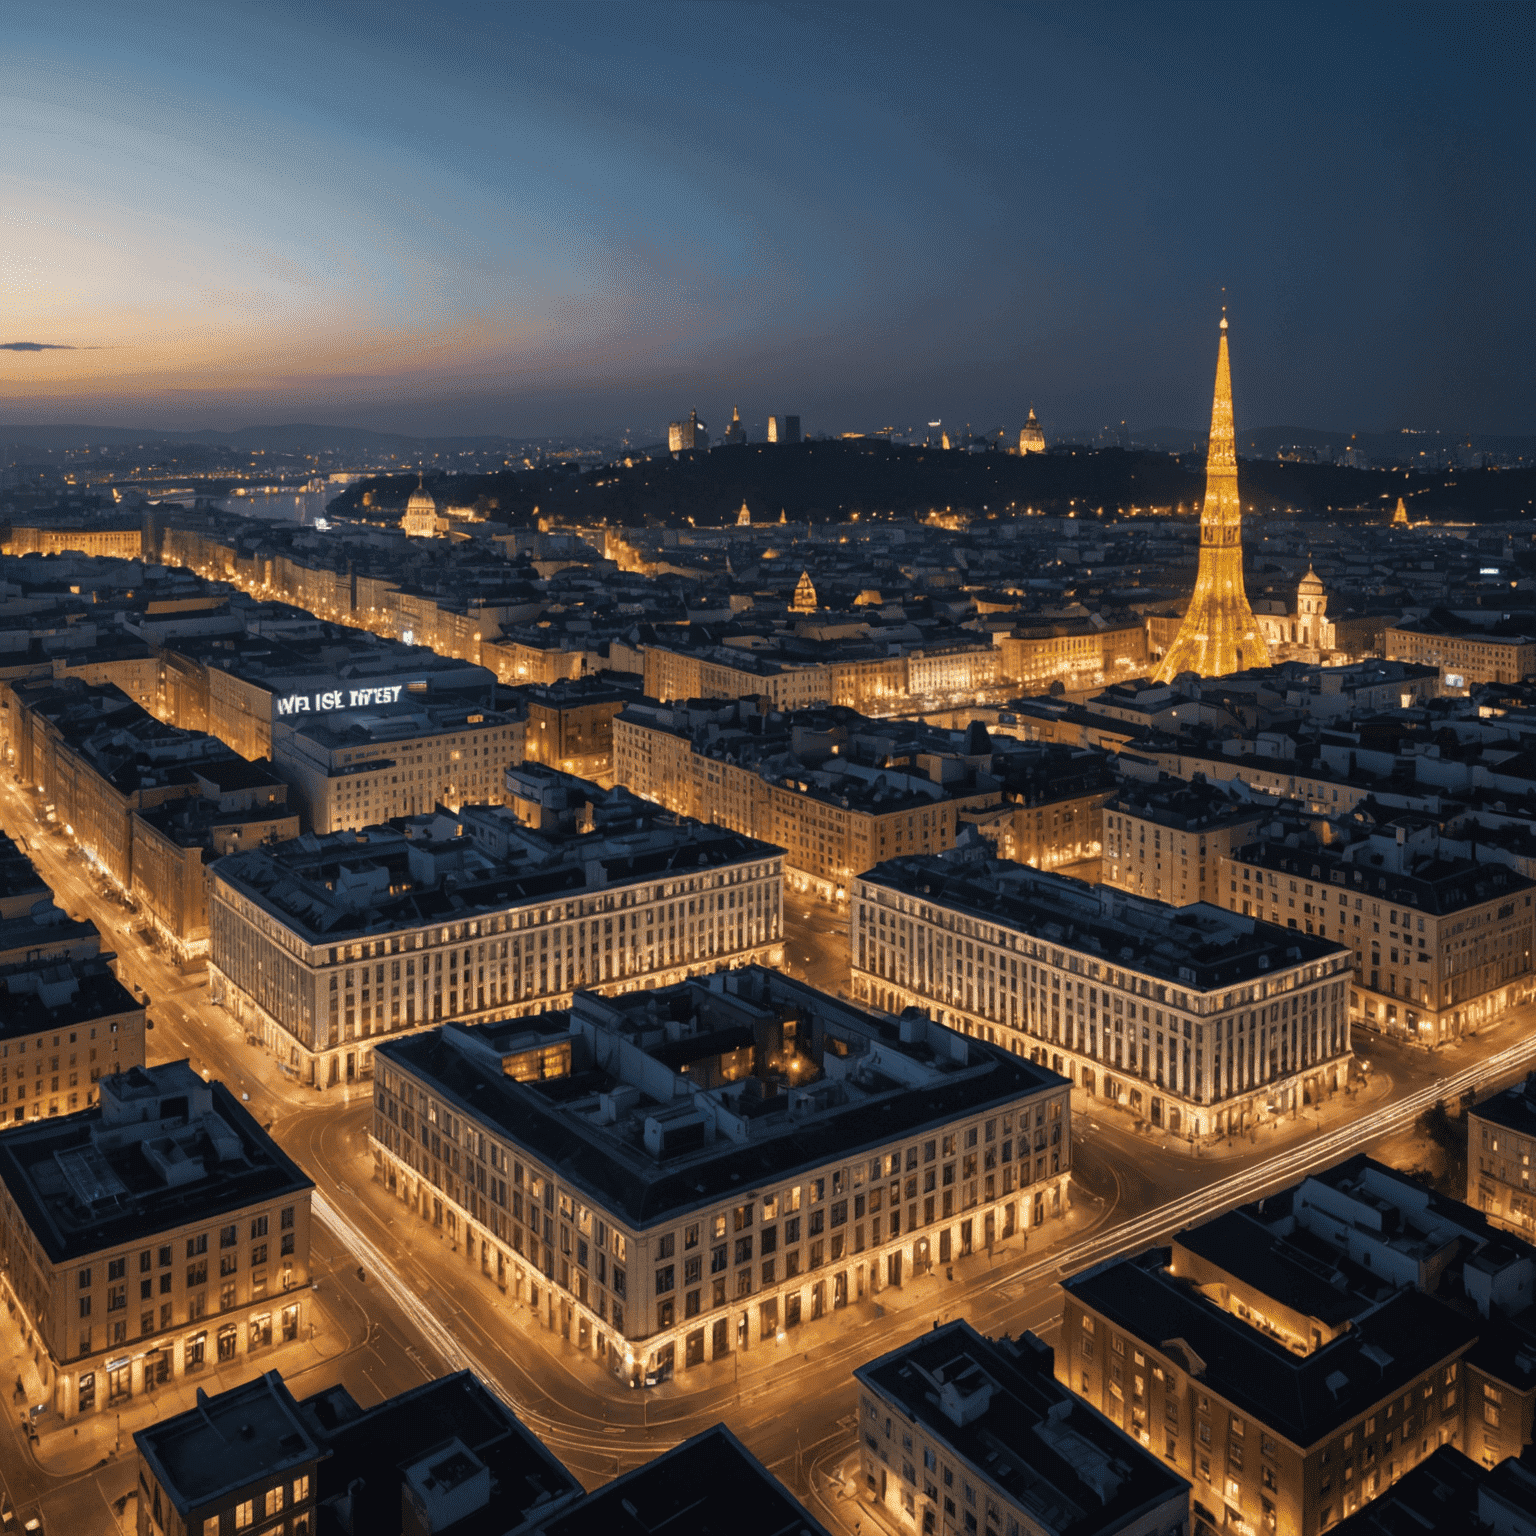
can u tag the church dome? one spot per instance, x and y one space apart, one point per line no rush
1311 582
421 501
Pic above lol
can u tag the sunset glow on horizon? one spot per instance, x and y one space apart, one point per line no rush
490 221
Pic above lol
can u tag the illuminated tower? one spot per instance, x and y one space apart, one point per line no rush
1219 633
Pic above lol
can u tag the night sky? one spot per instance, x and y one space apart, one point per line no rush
447 218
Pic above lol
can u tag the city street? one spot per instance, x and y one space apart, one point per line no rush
419 1309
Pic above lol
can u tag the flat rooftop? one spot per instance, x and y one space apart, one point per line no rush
1514 1109
998 1405
455 1418
60 994
763 1075
162 1149
251 1433
711 1485
331 886
1198 946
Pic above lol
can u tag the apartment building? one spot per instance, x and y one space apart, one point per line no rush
239 689
325 945
121 543
1441 947
1465 656
1195 1020
1084 655
732 672
1052 814
836 791
1449 1494
943 671
65 1023
670 1176
570 723
1295 1358
1501 1140
150 1236
363 766
956 1429
174 845
1166 840
98 757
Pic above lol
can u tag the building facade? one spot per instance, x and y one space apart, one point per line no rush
1465 657
150 1237
325 946
65 1023
1295 1358
1195 1021
876 1151
366 766
1501 1140
957 1429
1441 947
1166 840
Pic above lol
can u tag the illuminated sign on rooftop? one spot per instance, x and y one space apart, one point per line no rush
329 699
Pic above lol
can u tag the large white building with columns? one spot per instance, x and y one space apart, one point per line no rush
1196 1020
672 1176
324 945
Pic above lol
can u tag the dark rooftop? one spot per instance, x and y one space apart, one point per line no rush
711 1485
1000 1408
246 1435
85 1182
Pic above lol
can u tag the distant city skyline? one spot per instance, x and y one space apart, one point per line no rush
486 223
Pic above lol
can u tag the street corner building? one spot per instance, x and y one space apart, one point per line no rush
962 1432
1194 1019
671 1176
149 1237
446 1458
323 946
1296 1357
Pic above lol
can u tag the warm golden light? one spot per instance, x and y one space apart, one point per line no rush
1219 633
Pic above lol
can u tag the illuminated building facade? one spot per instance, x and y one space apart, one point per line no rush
1219 633
680 1174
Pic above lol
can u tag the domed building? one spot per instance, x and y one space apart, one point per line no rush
1032 435
1305 633
420 520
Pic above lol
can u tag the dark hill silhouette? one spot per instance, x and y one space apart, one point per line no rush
830 481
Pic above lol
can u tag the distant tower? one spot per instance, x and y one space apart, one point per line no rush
1400 517
744 517
683 436
1311 612
735 433
783 429
1219 633
804 600
1031 435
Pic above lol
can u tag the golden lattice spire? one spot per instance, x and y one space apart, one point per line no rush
1219 633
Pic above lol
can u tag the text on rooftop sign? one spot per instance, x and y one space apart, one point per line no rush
338 698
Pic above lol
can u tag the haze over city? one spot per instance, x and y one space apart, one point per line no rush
496 220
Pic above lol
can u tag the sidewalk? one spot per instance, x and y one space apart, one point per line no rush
1271 1134
66 1448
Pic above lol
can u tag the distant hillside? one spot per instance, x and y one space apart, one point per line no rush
291 438
830 481
1266 442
